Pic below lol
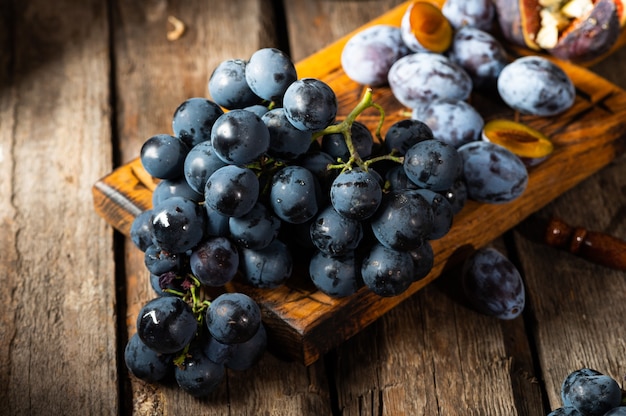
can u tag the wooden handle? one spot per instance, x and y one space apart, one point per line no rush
600 248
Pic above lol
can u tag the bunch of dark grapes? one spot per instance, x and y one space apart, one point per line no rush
587 392
264 171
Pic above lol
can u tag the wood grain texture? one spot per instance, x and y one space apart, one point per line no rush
306 323
65 116
58 336
577 307
154 76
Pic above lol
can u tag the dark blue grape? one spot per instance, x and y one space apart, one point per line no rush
456 195
452 121
216 223
232 190
256 229
569 381
294 194
396 179
269 73
214 262
258 109
404 133
228 86
194 119
618 411
590 392
240 356
145 363
335 144
163 156
178 224
239 137
368 55
310 104
286 141
492 173
317 162
334 234
268 267
403 221
595 395
233 318
356 194
141 230
433 164
166 324
160 283
535 85
200 163
336 276
246 354
168 188
198 375
493 285
216 351
423 260
443 214
158 261
387 272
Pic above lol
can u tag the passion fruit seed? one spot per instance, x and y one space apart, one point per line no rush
519 138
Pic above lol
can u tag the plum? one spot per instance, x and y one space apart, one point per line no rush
368 55
418 78
469 13
493 174
493 285
455 122
424 28
480 54
535 85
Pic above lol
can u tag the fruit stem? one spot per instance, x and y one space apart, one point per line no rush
391 157
345 128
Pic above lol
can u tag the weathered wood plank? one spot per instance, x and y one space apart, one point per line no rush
58 339
154 76
313 25
578 307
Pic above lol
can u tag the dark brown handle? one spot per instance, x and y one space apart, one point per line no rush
594 246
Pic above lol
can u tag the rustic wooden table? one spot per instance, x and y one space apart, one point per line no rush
84 83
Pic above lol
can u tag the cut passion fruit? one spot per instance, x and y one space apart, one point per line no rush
524 141
429 29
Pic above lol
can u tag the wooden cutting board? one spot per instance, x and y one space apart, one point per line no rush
304 323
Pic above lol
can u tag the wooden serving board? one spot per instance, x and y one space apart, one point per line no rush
304 323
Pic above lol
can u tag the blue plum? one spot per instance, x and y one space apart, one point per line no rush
535 85
493 285
492 173
419 78
368 55
455 122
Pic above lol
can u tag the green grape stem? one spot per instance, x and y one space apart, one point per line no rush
345 128
192 297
